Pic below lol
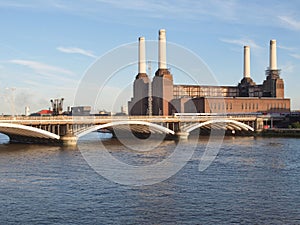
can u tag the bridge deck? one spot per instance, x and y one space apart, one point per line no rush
70 128
59 120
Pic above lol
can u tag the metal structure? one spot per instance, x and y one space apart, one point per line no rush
57 106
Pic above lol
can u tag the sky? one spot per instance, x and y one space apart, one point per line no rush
47 47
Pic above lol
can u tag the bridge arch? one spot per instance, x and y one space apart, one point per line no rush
12 129
154 127
216 121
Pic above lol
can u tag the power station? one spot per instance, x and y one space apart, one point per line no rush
167 98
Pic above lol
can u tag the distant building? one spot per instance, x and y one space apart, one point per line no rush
27 111
43 112
124 109
80 111
102 113
57 106
167 98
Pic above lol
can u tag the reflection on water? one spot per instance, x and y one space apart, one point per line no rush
3 139
252 180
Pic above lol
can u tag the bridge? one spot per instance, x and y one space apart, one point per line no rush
67 129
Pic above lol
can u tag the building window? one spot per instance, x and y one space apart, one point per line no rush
226 105
230 105
245 105
256 105
242 106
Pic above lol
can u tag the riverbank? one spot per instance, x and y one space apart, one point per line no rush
275 132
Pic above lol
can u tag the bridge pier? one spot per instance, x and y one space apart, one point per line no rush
181 135
69 140
259 125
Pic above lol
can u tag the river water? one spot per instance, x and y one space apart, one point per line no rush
251 181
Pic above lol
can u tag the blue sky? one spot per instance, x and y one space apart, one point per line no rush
47 46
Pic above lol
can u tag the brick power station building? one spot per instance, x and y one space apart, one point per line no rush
167 98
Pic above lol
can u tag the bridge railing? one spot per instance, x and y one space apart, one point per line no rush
64 117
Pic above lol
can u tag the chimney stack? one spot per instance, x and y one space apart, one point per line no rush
246 62
273 55
142 55
162 62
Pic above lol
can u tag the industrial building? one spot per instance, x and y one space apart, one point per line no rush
166 98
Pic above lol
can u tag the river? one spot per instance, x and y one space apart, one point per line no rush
251 181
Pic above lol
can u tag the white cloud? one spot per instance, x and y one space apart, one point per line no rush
229 10
289 67
296 56
42 68
241 42
286 48
74 50
224 10
290 22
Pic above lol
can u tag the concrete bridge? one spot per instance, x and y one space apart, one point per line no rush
66 129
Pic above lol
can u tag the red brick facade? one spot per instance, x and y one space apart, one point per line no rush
237 105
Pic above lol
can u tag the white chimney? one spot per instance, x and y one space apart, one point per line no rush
142 55
273 55
246 62
162 55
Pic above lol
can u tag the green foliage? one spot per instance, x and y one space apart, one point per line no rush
296 125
